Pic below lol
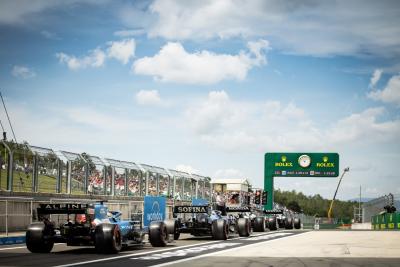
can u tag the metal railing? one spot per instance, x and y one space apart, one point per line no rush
375 206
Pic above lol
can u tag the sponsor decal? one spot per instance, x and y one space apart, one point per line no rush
283 162
273 211
325 163
11 240
238 209
63 206
190 209
155 214
154 209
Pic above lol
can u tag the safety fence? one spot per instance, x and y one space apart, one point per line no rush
26 168
377 206
386 221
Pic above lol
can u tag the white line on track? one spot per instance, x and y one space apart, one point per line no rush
151 252
222 251
132 254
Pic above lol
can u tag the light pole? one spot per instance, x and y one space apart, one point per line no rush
337 188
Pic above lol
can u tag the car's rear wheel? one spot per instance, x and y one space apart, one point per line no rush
173 228
220 229
289 223
297 223
244 227
259 224
38 238
108 238
158 234
272 224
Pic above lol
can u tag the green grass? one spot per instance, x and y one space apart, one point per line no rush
23 182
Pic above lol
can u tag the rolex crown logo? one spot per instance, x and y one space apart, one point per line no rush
325 159
283 158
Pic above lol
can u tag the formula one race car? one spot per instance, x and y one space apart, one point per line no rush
203 222
280 219
90 225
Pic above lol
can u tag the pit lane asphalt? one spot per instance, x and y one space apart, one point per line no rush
186 248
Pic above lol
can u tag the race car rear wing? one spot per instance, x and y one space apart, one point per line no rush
273 211
238 209
62 208
191 209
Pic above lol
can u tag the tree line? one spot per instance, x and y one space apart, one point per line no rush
314 205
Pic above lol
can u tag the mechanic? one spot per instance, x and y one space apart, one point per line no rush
220 200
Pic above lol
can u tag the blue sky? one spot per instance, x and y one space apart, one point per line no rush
210 86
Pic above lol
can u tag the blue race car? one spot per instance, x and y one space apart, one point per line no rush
205 222
90 225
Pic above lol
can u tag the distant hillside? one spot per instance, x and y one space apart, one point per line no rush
314 205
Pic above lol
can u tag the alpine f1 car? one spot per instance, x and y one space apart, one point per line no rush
90 225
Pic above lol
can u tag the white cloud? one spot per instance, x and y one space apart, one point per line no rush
216 112
148 97
22 72
174 64
228 174
186 168
129 33
375 78
371 190
96 58
123 50
364 127
49 35
307 27
390 94
273 126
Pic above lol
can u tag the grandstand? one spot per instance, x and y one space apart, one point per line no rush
32 169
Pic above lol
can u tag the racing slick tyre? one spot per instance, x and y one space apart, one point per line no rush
158 234
244 227
108 238
297 223
38 238
259 224
173 228
272 225
281 222
289 223
220 229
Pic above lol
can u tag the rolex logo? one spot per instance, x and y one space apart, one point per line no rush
325 159
283 158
